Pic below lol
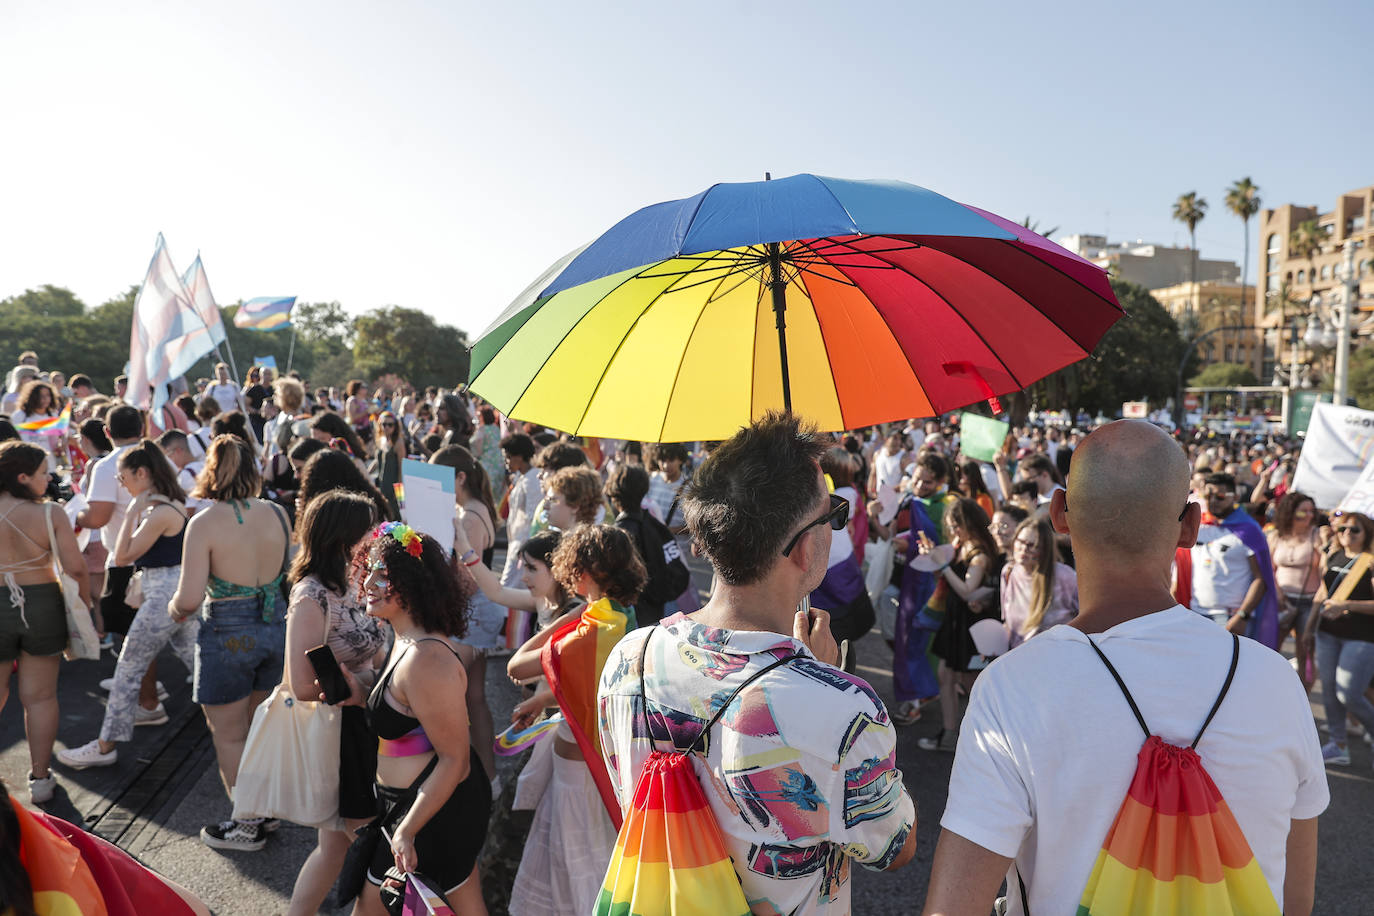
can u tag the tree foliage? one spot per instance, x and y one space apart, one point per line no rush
411 344
1224 375
1137 359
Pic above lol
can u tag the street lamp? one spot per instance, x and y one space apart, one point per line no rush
1334 330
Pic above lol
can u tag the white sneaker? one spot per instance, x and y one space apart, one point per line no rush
87 755
1334 754
155 716
108 684
41 790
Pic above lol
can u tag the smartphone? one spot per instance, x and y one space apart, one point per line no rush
329 674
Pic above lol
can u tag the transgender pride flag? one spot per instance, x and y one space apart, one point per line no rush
265 313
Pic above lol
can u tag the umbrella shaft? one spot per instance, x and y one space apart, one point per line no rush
778 284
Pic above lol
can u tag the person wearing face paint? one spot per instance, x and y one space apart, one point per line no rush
433 795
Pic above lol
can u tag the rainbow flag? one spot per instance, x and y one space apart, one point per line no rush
422 900
572 660
511 742
670 856
51 426
1175 847
265 313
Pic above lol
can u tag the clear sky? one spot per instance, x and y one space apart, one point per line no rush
439 155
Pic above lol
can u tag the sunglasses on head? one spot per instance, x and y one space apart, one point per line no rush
837 516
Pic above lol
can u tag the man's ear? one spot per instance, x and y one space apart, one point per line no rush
1059 511
1192 520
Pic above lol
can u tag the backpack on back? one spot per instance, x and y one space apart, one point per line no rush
668 574
1174 847
669 857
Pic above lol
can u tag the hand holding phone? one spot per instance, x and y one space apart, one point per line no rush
329 675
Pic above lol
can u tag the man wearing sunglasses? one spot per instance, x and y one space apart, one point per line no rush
803 761
1228 571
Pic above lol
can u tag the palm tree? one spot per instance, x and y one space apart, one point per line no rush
1243 199
1189 209
1306 242
1034 226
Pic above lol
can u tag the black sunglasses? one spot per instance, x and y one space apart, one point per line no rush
837 516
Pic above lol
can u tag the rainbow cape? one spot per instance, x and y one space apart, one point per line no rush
74 873
50 426
572 660
670 856
1175 847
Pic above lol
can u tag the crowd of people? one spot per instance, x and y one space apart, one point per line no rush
243 525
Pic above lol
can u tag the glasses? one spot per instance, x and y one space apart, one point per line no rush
1346 529
837 516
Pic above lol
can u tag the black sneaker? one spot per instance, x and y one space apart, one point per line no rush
234 835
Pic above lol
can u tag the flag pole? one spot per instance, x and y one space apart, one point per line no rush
291 352
233 366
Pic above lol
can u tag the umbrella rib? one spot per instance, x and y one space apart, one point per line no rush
967 323
677 373
1059 327
1022 251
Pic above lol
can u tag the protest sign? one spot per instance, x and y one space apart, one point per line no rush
429 500
1361 496
1340 441
981 437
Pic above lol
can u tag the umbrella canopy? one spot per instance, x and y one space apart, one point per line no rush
849 302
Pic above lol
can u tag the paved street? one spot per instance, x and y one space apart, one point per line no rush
165 787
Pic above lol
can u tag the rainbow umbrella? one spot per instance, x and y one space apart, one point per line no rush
848 302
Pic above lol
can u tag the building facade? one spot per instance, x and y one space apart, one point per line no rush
1149 265
1205 308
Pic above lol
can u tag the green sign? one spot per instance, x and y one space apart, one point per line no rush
981 437
1300 405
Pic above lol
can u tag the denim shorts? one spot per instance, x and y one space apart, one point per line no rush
237 652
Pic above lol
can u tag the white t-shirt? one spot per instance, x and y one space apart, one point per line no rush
227 396
106 489
1048 746
1221 570
841 544
888 470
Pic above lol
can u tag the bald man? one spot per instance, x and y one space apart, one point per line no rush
1049 745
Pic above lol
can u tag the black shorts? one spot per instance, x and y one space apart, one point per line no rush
40 629
448 846
117 615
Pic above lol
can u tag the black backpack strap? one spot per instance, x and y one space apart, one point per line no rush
730 699
1230 676
1025 903
1122 684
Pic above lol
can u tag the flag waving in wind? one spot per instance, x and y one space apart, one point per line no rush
265 313
203 301
167 335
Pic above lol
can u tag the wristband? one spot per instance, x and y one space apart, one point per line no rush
473 562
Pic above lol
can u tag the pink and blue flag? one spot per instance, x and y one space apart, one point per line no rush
265 313
167 336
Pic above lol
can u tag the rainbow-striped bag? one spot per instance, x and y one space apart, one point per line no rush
1174 848
670 857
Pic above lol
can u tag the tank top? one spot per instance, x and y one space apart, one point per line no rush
165 552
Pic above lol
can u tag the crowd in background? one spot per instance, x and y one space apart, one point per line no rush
245 523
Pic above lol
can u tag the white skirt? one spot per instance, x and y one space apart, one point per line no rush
568 848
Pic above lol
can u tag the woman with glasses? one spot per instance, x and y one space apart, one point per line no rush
1297 559
1038 592
392 448
969 582
842 592
1340 627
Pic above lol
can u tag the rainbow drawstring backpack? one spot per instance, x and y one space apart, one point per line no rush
1174 848
669 857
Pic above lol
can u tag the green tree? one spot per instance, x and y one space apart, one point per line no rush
1224 375
47 301
1361 385
1243 199
1136 359
411 344
1189 209
1306 241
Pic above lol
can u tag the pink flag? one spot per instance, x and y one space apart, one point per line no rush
167 336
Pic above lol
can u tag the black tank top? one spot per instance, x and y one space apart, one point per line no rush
388 722
166 551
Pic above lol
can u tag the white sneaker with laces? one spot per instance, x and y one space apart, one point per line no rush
87 755
41 790
155 716
235 835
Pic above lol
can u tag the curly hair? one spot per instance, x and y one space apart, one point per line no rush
605 553
427 586
580 488
28 396
1287 509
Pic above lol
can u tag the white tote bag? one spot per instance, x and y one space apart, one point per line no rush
82 641
290 764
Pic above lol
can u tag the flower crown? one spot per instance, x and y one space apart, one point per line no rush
403 534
